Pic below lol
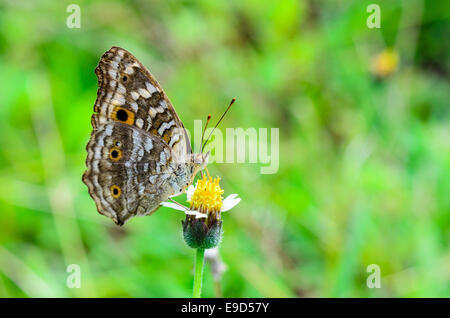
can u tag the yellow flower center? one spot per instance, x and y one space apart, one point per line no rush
207 196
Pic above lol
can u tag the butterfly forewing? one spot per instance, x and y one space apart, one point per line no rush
128 93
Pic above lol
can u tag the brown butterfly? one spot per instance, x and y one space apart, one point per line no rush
139 153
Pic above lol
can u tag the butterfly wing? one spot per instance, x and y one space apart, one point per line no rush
128 93
126 170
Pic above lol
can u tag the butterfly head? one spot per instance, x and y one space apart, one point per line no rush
186 171
199 162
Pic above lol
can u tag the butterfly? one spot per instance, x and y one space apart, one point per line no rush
139 153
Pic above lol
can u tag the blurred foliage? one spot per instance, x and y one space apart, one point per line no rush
364 173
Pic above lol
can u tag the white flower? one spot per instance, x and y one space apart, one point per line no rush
227 204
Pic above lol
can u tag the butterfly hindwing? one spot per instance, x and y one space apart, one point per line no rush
125 170
128 93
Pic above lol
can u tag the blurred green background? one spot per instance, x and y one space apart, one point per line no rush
364 174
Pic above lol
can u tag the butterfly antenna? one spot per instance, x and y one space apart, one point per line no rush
203 135
204 129
218 122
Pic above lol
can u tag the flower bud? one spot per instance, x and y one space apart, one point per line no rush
198 233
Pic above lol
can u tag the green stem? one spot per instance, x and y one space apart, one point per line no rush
198 276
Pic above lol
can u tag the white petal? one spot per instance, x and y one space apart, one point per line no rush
230 205
173 206
189 212
231 196
201 216
189 192
230 202
197 214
